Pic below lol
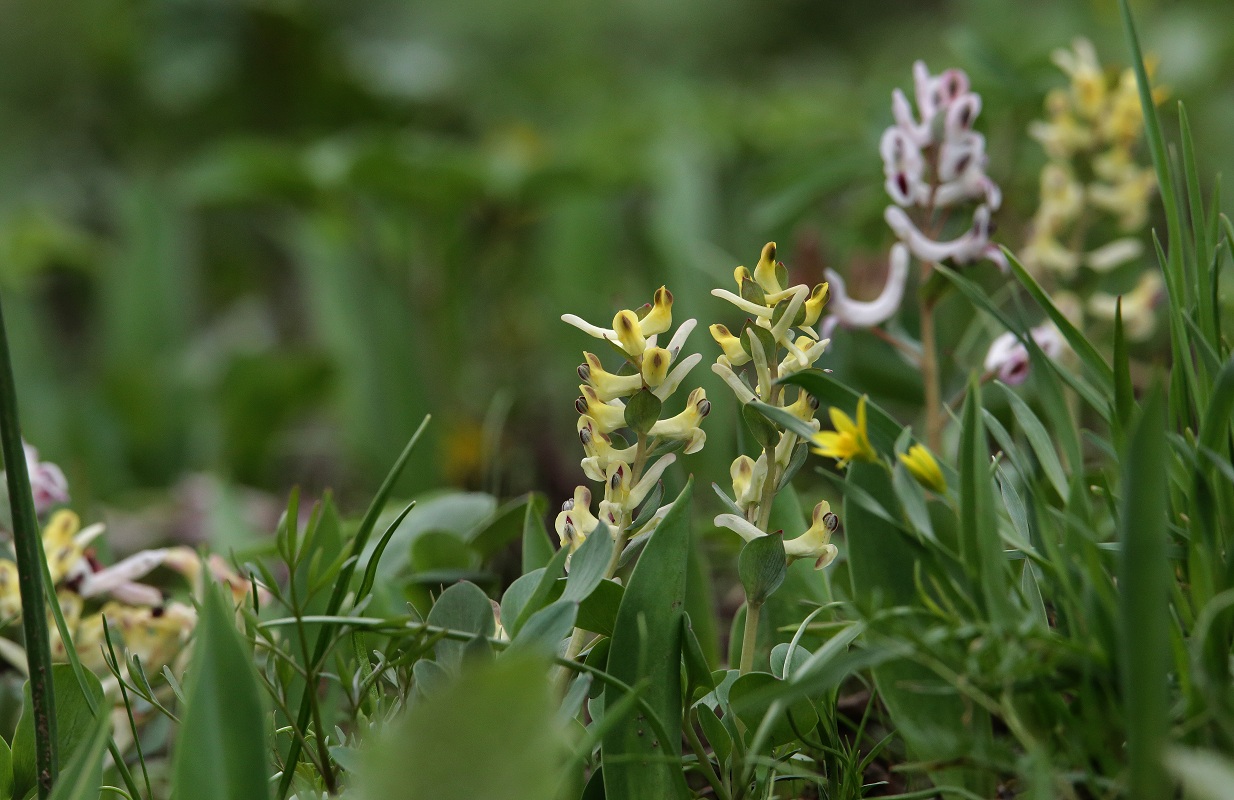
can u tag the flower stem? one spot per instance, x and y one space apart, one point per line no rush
749 637
929 372
28 547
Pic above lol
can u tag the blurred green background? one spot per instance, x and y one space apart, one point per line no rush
248 244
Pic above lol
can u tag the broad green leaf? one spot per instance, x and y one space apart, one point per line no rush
646 644
717 736
430 677
698 672
75 723
598 613
642 411
82 777
461 607
761 420
489 734
222 745
545 629
779 659
762 566
799 715
540 596
588 565
1144 615
457 512
517 596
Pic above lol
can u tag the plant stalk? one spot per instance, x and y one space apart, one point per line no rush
929 372
749 637
28 547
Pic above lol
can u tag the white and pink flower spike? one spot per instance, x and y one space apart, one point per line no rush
940 135
47 482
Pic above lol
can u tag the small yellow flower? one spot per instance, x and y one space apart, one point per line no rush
730 344
660 316
815 543
63 550
655 366
765 270
922 466
608 385
850 440
815 302
685 425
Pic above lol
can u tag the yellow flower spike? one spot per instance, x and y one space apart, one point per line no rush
815 543
922 466
660 318
608 386
655 366
10 592
686 424
814 304
765 270
629 332
63 551
730 344
850 440
608 416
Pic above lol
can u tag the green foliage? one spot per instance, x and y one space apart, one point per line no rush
221 749
74 729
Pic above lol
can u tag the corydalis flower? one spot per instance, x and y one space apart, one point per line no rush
1008 357
940 137
850 440
814 543
47 482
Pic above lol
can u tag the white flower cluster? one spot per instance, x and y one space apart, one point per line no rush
934 162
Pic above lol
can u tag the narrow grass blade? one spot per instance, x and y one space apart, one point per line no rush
1143 576
28 548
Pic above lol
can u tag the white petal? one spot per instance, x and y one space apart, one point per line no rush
739 525
859 314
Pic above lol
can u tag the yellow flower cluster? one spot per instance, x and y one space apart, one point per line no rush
141 619
630 399
775 310
1090 135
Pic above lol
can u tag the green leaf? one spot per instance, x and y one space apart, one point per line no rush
698 671
543 588
1039 440
457 512
75 723
1124 397
588 565
82 777
461 607
222 743
598 613
980 547
779 658
642 411
760 416
430 677
717 736
1144 614
762 566
799 714
489 734
757 417
545 629
517 596
538 549
506 524
6 771
646 644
